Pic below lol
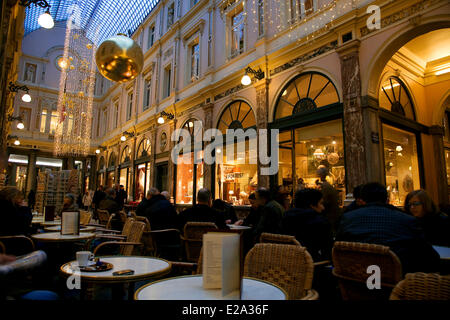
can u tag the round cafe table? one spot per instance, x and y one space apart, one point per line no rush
58 228
235 227
58 237
50 223
144 268
191 288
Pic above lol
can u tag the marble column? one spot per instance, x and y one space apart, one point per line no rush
437 134
262 107
131 170
355 139
31 172
171 166
208 169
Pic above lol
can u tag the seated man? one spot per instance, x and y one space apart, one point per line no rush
271 213
201 212
160 212
306 223
145 203
378 222
109 203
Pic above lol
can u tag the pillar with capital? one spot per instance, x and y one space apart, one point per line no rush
437 159
208 168
354 125
171 166
262 98
31 172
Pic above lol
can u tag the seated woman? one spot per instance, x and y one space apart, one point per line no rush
15 216
306 223
435 224
69 203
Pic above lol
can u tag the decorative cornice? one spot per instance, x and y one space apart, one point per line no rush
307 56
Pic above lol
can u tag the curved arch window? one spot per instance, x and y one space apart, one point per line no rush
101 163
124 172
306 92
142 169
112 160
189 174
395 97
237 174
144 148
126 153
304 146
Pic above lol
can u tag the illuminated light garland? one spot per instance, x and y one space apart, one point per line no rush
76 93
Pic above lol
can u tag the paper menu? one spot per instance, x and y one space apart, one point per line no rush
222 254
70 223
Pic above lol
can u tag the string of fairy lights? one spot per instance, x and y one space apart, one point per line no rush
76 92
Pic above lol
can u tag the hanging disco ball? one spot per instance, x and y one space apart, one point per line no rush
119 58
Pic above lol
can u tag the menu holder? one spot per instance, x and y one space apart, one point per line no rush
70 223
223 262
49 213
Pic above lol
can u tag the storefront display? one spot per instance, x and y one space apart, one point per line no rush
314 146
401 164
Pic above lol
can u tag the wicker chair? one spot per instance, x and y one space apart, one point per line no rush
422 286
193 238
278 238
17 245
351 260
85 217
290 267
132 240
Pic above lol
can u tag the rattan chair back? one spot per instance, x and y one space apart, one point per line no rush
351 261
290 267
134 235
422 286
278 238
193 238
85 217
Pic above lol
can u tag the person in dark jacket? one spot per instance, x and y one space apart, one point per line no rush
121 196
15 217
435 224
145 203
160 212
253 216
110 204
226 209
99 195
380 223
271 213
358 202
306 223
201 212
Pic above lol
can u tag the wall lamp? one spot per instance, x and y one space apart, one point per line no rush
16 140
20 125
163 114
246 80
125 135
45 20
15 88
100 149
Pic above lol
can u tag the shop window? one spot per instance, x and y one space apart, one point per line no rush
445 124
189 174
307 149
237 175
151 36
307 92
394 96
401 163
129 105
194 61
147 92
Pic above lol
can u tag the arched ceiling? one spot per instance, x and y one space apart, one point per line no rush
100 18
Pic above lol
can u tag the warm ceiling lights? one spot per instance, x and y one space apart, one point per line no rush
246 80
259 74
17 142
97 151
160 120
15 88
123 138
20 126
163 114
26 97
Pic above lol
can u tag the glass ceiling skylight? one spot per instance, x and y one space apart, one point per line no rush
100 18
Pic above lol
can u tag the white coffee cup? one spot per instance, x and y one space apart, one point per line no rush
84 257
